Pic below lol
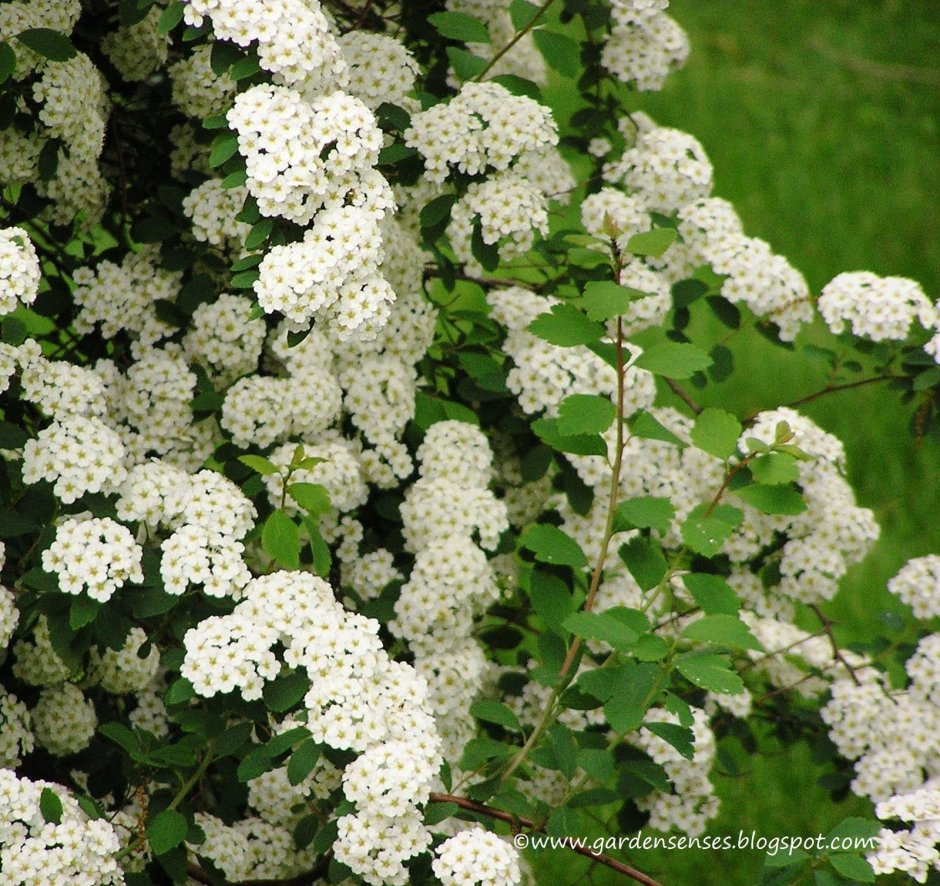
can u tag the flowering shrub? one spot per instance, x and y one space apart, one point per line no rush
346 526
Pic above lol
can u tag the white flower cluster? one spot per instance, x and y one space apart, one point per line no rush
667 168
212 209
21 15
19 269
197 90
140 49
60 389
645 45
16 734
225 339
918 584
208 515
36 662
295 40
912 851
35 852
95 555
483 127
477 857
359 700
73 95
120 671
509 210
122 298
877 308
380 68
64 721
78 454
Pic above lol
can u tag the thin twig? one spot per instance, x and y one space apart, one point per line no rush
836 651
683 395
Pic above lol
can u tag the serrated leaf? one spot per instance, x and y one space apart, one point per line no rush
280 539
259 463
652 243
566 327
712 593
50 806
550 596
48 43
585 414
673 360
777 499
282 693
244 68
716 432
644 512
722 629
784 858
854 828
466 65
560 52
457 26
565 748
774 468
645 560
680 737
642 424
604 299
493 711
312 497
707 534
166 831
601 626
302 761
627 707
550 545
711 672
521 13
854 867
546 429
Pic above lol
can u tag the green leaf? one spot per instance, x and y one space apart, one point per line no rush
565 748
282 693
12 436
50 44
280 539
302 761
566 327
457 26
259 233
50 806
777 467
235 179
82 611
716 432
598 763
550 545
496 712
644 512
180 690
722 629
546 429
435 813
466 65
854 828
784 858
254 764
521 12
642 424
166 831
652 243
224 147
560 52
712 593
170 17
601 626
680 737
604 299
312 497
487 254
674 360
853 866
437 211
706 535
634 695
778 499
550 596
244 68
585 414
7 62
645 560
259 463
711 672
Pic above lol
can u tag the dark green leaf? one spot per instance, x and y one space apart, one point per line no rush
50 44
50 806
551 598
546 429
521 12
680 737
302 761
170 17
259 233
466 65
854 867
644 512
457 26
282 693
711 672
550 545
224 147
82 611
643 424
705 533
7 62
645 560
493 711
166 831
260 464
437 212
560 52
566 327
601 626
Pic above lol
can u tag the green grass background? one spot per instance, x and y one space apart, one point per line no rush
822 120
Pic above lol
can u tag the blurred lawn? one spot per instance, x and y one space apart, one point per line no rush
823 124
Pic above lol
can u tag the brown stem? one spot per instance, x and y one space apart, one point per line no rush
836 651
683 395
831 389
514 821
516 38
